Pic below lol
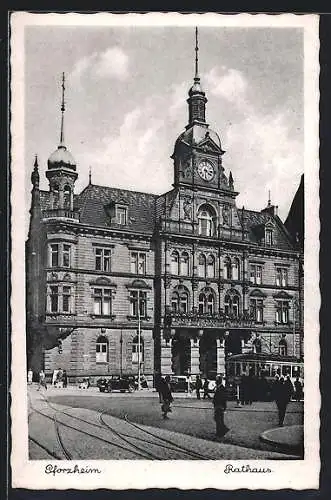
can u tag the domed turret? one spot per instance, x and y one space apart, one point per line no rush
61 158
61 174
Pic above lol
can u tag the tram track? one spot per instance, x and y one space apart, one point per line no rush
142 454
162 444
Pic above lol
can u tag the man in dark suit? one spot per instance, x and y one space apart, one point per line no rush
219 402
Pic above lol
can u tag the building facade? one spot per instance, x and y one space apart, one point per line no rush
173 282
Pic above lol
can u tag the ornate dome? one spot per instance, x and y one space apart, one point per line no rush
196 88
61 157
198 133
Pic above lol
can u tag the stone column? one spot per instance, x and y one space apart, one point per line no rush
166 355
220 356
195 356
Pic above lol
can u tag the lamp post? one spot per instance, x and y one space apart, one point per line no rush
294 310
121 361
139 342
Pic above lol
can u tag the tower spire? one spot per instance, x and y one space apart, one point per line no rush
196 77
62 112
197 98
269 199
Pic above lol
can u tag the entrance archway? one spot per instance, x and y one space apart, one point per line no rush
181 355
208 356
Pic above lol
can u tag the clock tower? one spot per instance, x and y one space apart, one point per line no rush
198 151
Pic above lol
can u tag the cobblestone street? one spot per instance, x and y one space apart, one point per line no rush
190 424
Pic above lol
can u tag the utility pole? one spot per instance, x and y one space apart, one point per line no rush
293 304
121 342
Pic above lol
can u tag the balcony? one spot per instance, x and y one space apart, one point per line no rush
61 213
217 320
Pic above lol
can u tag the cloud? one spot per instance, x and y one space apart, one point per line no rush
112 63
229 84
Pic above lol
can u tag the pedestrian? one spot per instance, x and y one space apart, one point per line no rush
30 376
59 379
167 398
298 389
243 389
198 386
289 387
282 396
219 402
65 378
42 380
158 383
206 389
54 377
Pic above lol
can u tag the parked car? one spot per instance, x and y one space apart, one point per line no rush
117 383
179 383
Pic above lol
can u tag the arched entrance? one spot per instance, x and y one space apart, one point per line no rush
181 355
208 356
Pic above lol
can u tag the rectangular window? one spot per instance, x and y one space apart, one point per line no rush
136 299
66 299
138 263
66 255
101 353
268 237
102 259
256 274
54 298
256 310
55 255
60 255
134 262
121 215
102 301
282 312
281 277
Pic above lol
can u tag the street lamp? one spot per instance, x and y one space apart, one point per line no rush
139 342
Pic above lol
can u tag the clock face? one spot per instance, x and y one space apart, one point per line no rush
206 170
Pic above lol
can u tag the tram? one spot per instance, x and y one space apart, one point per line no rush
263 368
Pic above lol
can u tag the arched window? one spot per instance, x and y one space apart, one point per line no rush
202 266
206 218
137 350
184 264
56 195
236 269
231 305
210 303
206 302
183 302
174 263
179 300
175 302
101 350
227 268
202 303
67 197
211 266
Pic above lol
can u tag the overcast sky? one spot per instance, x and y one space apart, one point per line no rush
126 94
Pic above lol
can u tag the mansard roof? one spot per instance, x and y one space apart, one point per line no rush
94 203
255 222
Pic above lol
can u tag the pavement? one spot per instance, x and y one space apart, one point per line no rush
191 423
286 439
